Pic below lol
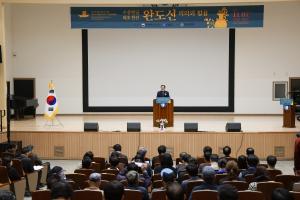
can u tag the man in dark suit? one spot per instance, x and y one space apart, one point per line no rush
163 92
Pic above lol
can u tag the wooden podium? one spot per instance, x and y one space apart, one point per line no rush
163 113
289 117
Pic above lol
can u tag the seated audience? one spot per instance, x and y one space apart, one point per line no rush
94 182
252 161
228 192
193 161
242 162
232 172
192 170
156 159
166 162
133 183
222 166
59 172
271 160
7 195
123 158
113 190
208 176
86 163
227 152
175 192
181 167
143 177
297 155
281 194
52 180
207 158
61 191
89 154
11 171
168 176
249 151
114 162
261 175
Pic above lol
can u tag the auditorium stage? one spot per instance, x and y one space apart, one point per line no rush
263 132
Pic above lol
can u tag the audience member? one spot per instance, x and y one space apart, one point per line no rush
59 172
133 183
156 159
207 151
192 170
214 158
222 166
281 194
118 149
94 182
7 195
271 160
227 151
228 192
242 162
168 176
209 180
89 154
252 161
114 162
86 163
297 155
113 190
12 172
249 151
232 172
175 192
166 162
52 180
61 191
261 175
181 167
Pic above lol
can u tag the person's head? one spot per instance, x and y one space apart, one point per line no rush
113 190
207 155
132 166
166 160
182 154
242 162
132 178
252 160
214 158
298 135
142 152
162 87
228 192
89 154
192 170
86 163
232 169
7 195
281 194
261 174
161 149
61 190
6 161
59 172
227 151
94 180
117 147
175 192
193 160
185 157
167 175
207 148
222 163
249 151
114 161
27 150
208 174
271 160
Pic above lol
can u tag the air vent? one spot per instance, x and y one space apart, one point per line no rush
279 151
59 151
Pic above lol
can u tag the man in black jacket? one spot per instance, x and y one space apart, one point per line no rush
163 92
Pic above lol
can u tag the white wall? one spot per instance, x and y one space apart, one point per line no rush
47 49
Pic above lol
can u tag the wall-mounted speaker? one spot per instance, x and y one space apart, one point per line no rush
91 126
190 127
133 127
233 127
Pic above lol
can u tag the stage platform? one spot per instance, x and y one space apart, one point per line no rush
263 132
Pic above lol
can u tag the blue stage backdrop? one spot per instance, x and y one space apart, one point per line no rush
168 17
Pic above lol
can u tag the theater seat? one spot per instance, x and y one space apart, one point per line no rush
41 195
239 185
132 195
251 195
158 195
267 188
87 194
205 194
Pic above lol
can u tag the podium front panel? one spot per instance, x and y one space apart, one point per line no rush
166 112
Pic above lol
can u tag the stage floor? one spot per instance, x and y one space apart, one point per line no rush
118 122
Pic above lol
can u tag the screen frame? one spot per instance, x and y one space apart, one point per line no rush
85 86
